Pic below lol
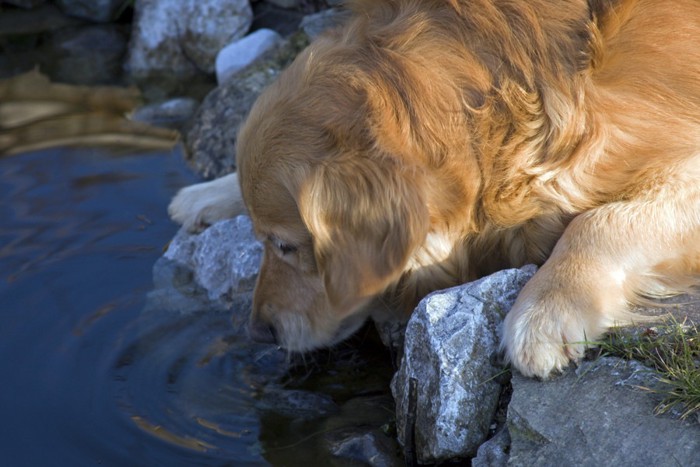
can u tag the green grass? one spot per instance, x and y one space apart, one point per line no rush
672 350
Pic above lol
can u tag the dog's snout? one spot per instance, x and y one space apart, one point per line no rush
262 332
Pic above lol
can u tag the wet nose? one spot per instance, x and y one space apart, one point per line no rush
262 332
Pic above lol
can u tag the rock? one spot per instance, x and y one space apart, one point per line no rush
44 18
176 290
494 452
100 11
182 37
285 3
283 20
368 447
86 55
392 335
597 415
361 431
172 113
241 53
297 404
224 259
314 25
450 340
28 4
211 137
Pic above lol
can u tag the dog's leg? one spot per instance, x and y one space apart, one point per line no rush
605 258
198 206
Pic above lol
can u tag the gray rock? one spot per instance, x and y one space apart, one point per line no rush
450 340
494 452
22 22
285 3
28 4
368 447
224 259
361 432
211 137
182 37
297 404
93 10
241 53
85 55
176 290
314 25
172 113
597 415
392 335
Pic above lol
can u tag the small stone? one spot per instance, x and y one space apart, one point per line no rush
316 24
171 113
368 447
241 53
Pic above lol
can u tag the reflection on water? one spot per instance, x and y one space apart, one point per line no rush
37 114
91 378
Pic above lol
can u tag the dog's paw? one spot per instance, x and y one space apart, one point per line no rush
543 335
198 206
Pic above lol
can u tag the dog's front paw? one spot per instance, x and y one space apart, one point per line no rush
192 210
547 329
539 343
198 206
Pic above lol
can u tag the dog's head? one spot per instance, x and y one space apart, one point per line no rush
339 212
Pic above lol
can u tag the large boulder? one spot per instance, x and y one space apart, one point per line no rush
451 340
181 38
598 414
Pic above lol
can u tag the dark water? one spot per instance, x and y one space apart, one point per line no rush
89 378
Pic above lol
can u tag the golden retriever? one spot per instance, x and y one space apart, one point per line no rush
430 142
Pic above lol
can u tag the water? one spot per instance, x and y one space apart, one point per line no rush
89 378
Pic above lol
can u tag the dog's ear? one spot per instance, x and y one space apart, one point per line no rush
367 216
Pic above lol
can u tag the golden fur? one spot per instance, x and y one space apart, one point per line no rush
428 143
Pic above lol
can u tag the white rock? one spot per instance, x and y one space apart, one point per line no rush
449 344
182 37
241 53
225 258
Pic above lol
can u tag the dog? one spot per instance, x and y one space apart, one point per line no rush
427 143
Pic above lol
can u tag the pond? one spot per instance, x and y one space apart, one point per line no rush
92 376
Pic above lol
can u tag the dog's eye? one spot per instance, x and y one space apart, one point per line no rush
287 249
284 248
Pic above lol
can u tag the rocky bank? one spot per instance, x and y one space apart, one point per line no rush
455 402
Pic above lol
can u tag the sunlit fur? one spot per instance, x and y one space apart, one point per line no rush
428 143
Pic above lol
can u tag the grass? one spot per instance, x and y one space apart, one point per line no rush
672 350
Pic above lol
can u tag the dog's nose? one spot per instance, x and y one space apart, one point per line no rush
262 332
